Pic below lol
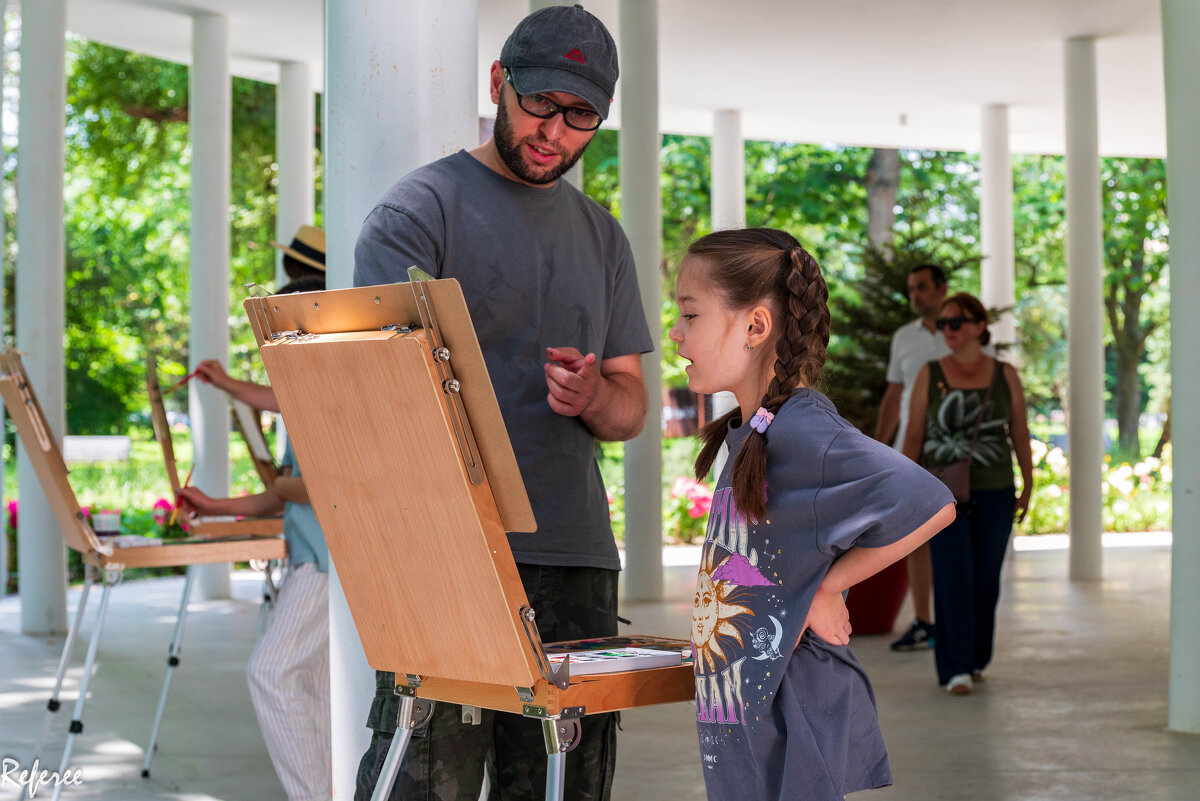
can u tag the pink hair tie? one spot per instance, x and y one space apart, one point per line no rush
761 419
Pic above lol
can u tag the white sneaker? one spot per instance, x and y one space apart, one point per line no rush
960 684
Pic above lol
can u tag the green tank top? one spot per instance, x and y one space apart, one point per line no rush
951 422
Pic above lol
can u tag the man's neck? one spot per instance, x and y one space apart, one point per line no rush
930 323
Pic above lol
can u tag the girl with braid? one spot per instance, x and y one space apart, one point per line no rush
805 507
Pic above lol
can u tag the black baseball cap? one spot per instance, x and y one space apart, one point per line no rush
563 49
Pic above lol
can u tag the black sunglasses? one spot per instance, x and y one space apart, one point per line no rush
953 323
581 119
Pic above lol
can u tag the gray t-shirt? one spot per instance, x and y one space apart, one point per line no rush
539 267
780 716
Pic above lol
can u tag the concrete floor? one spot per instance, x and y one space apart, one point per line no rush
1074 706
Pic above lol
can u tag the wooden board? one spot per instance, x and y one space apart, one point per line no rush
607 692
51 470
421 552
175 553
245 420
42 448
162 428
372 308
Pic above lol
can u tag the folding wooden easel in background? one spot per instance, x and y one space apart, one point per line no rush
411 474
258 542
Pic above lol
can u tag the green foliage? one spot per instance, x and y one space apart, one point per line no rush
128 225
863 325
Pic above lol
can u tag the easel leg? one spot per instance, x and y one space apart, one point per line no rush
111 579
172 663
562 735
90 576
395 754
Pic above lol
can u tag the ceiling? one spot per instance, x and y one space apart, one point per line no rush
906 73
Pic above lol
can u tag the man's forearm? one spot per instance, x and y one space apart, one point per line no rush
618 412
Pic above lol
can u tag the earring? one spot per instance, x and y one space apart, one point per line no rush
749 346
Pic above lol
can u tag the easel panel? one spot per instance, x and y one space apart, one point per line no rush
607 692
44 454
244 527
195 553
162 428
429 577
346 311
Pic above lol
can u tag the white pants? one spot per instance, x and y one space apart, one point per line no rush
289 685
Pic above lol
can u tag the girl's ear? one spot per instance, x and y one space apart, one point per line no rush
760 324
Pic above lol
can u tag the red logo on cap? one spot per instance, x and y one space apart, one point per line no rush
575 55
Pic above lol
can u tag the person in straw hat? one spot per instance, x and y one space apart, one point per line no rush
305 256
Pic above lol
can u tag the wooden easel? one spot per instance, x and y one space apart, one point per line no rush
210 526
107 562
410 472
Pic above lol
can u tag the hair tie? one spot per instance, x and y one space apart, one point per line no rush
761 419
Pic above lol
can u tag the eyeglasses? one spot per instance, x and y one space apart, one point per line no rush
581 119
953 323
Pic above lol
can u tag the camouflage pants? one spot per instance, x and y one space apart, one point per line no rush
446 758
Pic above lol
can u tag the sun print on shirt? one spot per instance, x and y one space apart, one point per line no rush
715 615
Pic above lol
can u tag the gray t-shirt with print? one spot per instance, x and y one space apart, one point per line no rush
780 716
539 268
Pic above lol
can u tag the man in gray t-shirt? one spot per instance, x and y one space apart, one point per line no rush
549 278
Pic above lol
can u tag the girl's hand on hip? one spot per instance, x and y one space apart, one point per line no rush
829 618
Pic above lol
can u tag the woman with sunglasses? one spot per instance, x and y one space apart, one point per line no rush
969 404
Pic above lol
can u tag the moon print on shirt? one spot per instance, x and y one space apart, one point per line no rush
766 644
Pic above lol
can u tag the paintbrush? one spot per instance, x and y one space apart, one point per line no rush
183 381
186 481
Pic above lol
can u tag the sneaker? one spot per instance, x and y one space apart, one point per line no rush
918 637
960 684
977 676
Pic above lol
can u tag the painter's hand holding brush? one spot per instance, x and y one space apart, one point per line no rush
211 371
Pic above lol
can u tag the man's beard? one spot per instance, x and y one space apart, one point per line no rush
510 153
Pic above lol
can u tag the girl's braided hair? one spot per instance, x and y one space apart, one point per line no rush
753 266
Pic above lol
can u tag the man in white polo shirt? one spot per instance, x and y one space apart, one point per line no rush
913 345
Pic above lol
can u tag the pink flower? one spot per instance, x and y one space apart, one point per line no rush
12 514
162 511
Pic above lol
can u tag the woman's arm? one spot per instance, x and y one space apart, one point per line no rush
1018 432
193 501
918 405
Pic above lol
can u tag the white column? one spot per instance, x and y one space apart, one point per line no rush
3 308
1181 26
728 204
40 279
294 121
1085 277
728 171
639 144
400 91
210 128
997 276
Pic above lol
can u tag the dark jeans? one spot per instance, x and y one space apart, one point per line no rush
967 556
446 757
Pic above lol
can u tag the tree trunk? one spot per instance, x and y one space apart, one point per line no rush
883 179
1165 437
1129 402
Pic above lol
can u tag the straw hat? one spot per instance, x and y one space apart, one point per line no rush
307 247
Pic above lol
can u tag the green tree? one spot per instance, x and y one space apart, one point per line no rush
128 224
1135 251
